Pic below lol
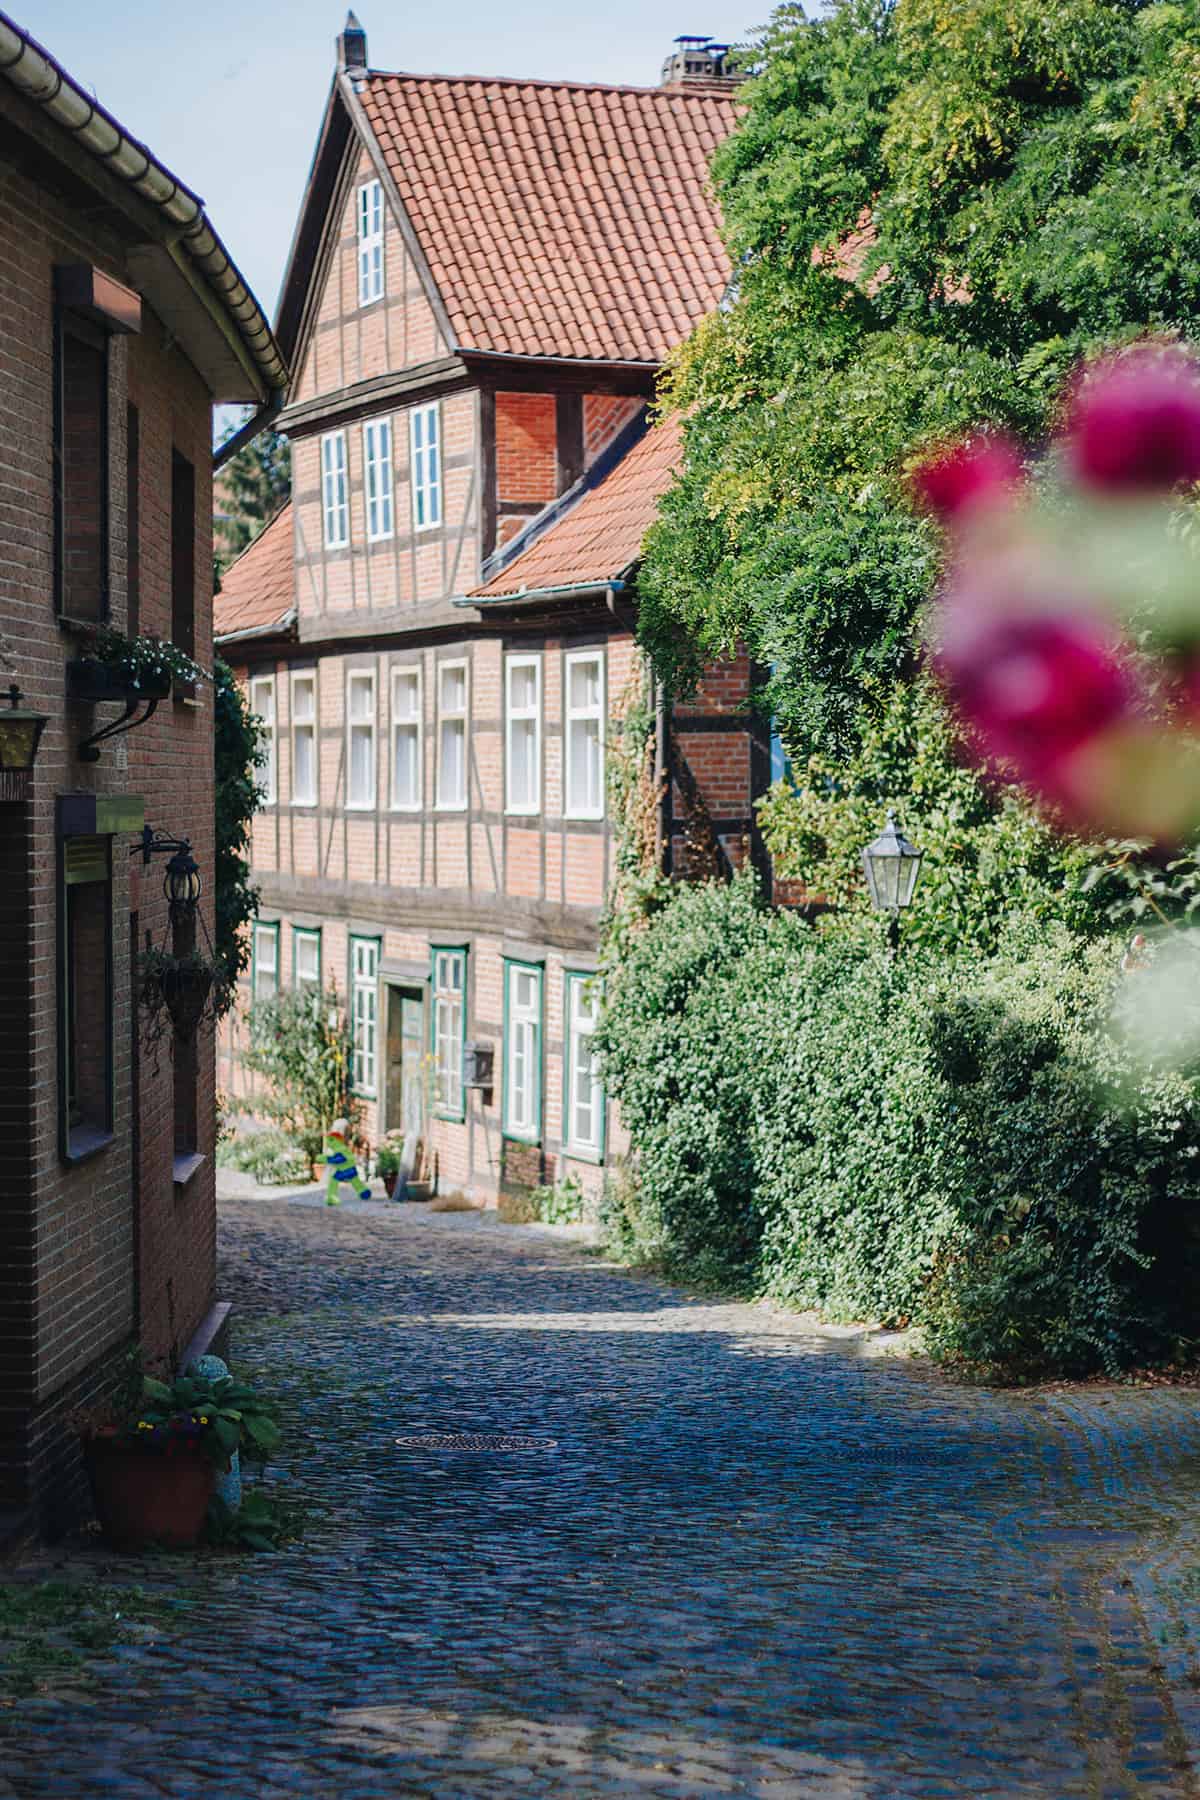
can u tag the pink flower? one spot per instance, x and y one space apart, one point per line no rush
974 472
1135 424
1037 687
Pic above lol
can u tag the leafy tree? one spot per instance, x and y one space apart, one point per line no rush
248 492
933 209
239 753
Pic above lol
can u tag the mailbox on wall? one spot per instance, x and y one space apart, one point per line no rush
478 1063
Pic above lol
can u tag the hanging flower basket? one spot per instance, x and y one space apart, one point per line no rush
182 989
186 988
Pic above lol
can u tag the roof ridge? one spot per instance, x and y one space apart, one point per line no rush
709 91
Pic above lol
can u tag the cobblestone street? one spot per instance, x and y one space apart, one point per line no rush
752 1561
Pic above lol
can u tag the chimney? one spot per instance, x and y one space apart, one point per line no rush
697 61
352 49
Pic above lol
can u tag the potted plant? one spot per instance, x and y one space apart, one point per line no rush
387 1161
116 667
152 1466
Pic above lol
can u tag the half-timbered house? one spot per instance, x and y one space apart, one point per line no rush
485 279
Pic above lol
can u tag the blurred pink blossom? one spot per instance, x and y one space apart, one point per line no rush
1035 687
960 477
1135 424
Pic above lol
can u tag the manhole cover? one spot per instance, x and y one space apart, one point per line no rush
474 1440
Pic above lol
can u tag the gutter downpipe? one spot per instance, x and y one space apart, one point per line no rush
246 434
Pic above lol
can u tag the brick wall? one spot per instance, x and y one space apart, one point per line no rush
526 448
91 1245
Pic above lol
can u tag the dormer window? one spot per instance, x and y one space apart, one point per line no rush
370 243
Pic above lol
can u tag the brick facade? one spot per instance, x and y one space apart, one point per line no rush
99 1243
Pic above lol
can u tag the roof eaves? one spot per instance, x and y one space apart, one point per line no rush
570 590
276 628
43 81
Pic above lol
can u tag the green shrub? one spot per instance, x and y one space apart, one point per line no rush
268 1154
301 1044
561 1204
957 1140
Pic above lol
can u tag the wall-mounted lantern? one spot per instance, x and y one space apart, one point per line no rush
181 882
20 734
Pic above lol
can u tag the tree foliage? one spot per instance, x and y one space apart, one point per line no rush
248 492
239 753
934 208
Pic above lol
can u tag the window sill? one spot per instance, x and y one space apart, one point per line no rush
408 807
448 1117
303 805
381 537
519 1137
86 1141
575 1153
186 1166
583 818
360 806
522 812
450 806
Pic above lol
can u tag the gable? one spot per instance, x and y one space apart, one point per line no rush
344 341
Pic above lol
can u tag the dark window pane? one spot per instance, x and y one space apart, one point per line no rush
83 475
183 553
133 564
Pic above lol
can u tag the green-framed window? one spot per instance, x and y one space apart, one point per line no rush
523 1051
306 959
264 967
583 1092
364 1011
448 981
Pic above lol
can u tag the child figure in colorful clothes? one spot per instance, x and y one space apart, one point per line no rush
341 1167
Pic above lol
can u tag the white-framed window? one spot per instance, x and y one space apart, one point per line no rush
425 463
523 734
583 1105
335 506
449 1021
360 737
583 780
452 735
364 1010
265 984
306 960
262 702
377 477
522 1050
304 738
406 739
370 243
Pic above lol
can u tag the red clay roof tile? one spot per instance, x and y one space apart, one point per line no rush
559 220
602 535
257 590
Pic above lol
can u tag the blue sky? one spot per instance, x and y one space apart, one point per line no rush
230 95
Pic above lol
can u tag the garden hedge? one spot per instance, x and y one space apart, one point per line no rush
959 1141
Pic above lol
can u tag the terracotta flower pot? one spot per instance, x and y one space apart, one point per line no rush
149 1496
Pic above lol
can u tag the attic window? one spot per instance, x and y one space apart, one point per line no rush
370 243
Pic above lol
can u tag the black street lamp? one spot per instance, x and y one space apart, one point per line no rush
891 865
181 882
